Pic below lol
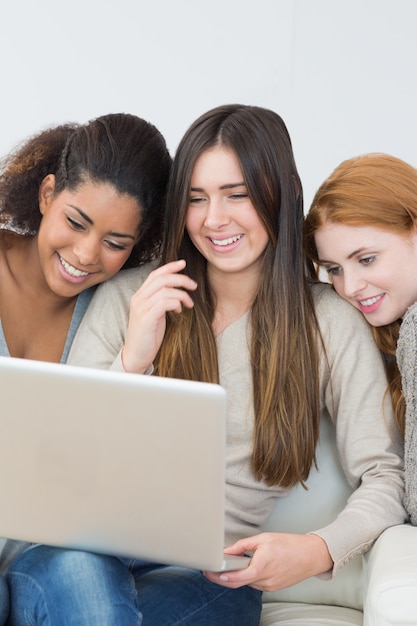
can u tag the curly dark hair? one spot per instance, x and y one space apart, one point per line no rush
119 148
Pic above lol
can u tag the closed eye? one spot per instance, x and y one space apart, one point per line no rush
75 224
196 199
333 271
367 260
113 245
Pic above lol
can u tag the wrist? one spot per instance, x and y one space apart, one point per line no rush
323 561
133 366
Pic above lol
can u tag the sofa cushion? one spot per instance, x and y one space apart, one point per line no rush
391 580
346 589
297 614
303 511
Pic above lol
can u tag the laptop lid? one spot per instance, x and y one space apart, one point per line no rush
123 464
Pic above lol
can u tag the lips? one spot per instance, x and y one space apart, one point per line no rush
225 242
71 270
370 301
370 305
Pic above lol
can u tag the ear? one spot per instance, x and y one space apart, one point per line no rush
46 192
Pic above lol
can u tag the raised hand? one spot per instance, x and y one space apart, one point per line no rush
164 290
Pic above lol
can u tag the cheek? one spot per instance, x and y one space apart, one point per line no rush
391 275
193 227
337 283
50 233
114 262
191 223
262 237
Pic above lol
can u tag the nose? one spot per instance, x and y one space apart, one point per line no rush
353 283
86 249
217 215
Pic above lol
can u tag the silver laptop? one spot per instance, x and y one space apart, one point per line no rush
115 463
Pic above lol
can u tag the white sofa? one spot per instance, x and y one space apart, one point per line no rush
379 589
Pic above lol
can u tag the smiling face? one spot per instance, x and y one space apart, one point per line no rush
373 269
221 220
85 235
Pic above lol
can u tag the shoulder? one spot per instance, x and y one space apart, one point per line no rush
125 283
129 280
407 339
324 295
331 308
408 326
344 331
102 331
409 321
115 294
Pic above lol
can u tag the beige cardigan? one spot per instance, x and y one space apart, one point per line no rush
368 444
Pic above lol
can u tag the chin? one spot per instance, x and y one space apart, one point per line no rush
378 323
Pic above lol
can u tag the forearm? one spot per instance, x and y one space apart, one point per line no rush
370 510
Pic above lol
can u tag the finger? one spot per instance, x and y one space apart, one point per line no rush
248 544
171 270
239 577
176 304
171 266
157 283
157 305
148 305
236 577
226 580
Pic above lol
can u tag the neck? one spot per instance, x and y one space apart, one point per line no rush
234 297
26 273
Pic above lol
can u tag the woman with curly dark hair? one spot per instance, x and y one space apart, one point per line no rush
77 204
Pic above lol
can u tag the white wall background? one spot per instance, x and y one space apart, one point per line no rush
340 72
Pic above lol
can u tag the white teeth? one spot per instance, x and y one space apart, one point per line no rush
225 242
72 270
370 301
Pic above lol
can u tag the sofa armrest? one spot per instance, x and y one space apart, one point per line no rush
390 595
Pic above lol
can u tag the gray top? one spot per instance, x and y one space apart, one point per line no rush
407 363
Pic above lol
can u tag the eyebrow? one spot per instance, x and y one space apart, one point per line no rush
350 256
228 186
90 221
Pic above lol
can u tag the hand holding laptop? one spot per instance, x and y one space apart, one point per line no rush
279 560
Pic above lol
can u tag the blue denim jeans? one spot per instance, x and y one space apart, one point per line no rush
4 600
55 587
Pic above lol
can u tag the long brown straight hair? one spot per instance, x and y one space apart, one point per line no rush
284 332
377 190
